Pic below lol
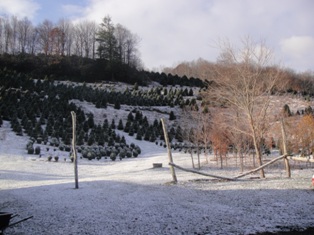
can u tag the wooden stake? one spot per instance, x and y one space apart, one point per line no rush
173 173
285 151
74 148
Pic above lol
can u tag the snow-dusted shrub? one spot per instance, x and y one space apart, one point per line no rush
113 156
84 153
37 150
102 152
30 150
135 153
54 142
97 152
39 140
129 154
122 154
56 158
138 149
91 155
108 152
29 144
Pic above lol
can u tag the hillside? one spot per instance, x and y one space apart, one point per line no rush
131 197
119 137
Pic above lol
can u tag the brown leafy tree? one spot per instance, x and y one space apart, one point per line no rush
304 134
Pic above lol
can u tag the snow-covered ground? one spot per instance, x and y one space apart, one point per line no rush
131 197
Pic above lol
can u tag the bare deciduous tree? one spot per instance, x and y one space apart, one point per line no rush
198 131
44 36
7 32
245 81
24 31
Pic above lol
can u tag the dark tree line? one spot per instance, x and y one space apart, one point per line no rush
80 69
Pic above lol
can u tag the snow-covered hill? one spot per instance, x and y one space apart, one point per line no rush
131 197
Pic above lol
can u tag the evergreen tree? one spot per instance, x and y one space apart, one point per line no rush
120 125
130 117
108 44
91 140
101 139
80 138
191 92
90 121
136 86
172 116
139 135
105 124
113 125
117 105
147 135
127 126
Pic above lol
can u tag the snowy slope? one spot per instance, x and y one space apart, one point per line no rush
130 197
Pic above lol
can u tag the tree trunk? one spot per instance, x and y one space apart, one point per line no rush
257 150
285 151
198 156
259 159
241 161
206 153
74 149
191 154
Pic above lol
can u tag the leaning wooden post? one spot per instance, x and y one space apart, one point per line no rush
173 173
285 151
74 148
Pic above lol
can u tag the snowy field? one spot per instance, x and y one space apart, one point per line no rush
131 197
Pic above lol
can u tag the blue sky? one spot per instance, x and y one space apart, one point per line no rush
173 31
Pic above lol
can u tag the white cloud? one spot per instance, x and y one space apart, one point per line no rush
183 30
179 30
19 8
298 51
298 46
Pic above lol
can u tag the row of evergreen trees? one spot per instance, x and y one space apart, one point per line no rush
41 110
79 69
100 97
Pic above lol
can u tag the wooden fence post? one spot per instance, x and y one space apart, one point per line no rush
74 148
285 151
173 173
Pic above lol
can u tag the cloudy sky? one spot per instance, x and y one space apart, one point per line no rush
173 31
